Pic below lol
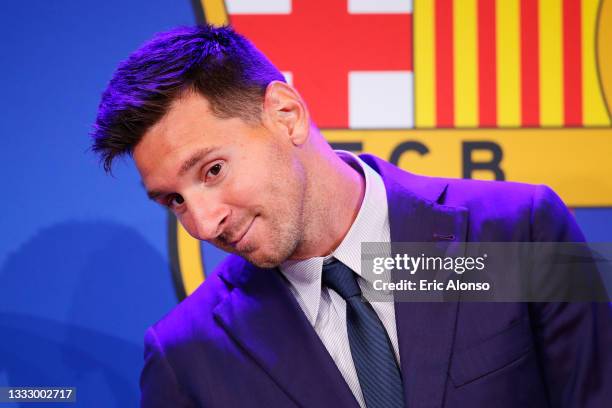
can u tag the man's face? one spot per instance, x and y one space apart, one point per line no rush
237 185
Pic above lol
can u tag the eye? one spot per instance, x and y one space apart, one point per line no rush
214 170
175 200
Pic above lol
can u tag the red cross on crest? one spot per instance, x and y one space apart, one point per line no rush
320 47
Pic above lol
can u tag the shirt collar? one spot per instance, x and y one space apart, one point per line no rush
372 219
370 225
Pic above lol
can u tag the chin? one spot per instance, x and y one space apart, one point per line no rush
263 258
262 261
265 264
270 256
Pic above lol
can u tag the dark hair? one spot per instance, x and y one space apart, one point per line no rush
216 62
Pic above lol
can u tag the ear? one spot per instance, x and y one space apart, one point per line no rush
285 111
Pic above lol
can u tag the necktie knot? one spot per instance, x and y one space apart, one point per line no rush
341 279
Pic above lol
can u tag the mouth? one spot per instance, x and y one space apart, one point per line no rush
238 244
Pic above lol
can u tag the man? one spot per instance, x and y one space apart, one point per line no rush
222 140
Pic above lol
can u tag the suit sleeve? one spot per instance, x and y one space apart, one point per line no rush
159 386
573 340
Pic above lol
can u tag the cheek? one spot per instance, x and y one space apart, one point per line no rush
266 179
186 220
243 191
254 186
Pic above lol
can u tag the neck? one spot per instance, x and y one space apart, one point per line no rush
334 194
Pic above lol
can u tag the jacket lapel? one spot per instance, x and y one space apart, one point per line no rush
264 318
425 330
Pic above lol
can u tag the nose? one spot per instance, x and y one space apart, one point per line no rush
205 217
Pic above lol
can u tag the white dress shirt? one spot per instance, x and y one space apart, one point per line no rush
324 308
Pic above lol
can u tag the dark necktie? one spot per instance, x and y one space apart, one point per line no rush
377 370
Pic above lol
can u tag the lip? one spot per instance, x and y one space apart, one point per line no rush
236 243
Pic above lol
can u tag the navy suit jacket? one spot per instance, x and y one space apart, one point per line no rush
241 339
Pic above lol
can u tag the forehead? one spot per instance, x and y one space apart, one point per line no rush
189 124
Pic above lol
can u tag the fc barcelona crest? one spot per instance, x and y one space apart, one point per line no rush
493 89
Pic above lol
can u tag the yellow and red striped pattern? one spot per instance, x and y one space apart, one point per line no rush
507 64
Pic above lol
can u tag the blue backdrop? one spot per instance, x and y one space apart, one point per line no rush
83 259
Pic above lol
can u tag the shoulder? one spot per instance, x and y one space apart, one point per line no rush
537 207
515 211
187 340
523 211
452 191
495 196
193 318
461 192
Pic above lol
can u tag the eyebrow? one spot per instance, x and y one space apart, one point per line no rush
187 165
195 159
154 194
